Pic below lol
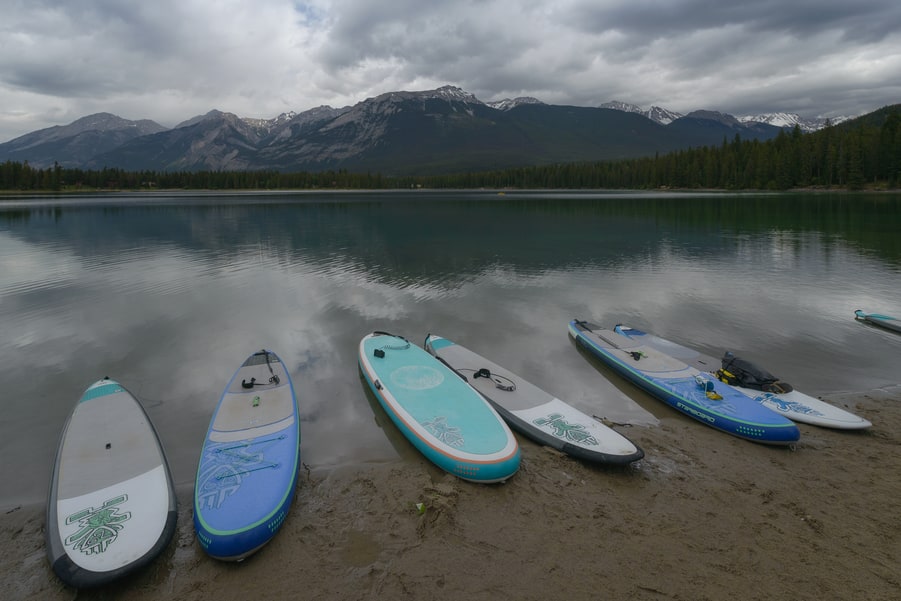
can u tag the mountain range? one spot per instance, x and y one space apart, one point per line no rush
780 119
398 133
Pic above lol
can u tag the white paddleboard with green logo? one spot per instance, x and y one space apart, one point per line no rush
111 507
533 412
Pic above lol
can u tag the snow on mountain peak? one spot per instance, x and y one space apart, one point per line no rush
508 103
661 115
448 93
625 107
655 113
789 120
453 93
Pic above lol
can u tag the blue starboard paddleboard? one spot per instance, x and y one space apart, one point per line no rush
685 388
883 321
533 412
249 463
440 414
794 404
111 507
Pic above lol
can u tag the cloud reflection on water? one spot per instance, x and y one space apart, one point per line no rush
170 299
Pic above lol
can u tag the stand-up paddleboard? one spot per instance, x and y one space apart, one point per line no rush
533 412
685 388
443 416
248 467
111 507
793 404
883 321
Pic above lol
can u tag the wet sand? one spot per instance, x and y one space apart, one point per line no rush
703 516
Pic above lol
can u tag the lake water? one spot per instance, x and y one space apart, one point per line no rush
168 293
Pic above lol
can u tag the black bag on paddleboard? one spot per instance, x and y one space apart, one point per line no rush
740 372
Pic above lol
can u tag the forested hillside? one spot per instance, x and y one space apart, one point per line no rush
864 152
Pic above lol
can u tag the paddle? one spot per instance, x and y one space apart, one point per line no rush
636 355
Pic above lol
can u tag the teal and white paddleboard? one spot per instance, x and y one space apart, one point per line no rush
877 319
533 412
111 507
437 411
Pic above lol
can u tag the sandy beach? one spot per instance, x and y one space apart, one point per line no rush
705 516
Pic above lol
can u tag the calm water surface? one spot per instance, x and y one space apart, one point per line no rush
169 293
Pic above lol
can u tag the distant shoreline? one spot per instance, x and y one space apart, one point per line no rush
101 191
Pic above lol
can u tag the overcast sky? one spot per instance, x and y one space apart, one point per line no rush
170 60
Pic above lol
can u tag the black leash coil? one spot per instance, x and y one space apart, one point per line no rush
380 352
500 382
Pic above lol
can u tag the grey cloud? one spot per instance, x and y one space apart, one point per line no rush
85 48
867 20
369 30
173 59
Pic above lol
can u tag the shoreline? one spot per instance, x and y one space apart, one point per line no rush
662 190
704 516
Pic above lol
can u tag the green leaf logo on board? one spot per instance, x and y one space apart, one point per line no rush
98 527
562 429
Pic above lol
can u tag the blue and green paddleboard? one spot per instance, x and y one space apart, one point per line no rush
697 395
249 462
781 397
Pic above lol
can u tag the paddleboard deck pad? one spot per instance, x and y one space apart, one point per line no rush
685 388
111 507
248 467
437 411
795 405
533 412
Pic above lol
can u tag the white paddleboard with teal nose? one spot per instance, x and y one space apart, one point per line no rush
111 507
535 413
877 319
